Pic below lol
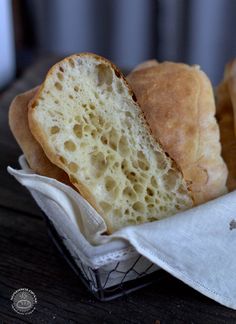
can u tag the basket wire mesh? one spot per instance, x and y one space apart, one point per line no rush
99 281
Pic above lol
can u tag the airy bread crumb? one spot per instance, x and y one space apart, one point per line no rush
87 121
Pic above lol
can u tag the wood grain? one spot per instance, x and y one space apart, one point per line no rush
29 259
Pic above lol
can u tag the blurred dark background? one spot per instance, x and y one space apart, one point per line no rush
126 31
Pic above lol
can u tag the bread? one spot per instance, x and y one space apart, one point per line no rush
178 103
37 160
225 118
87 121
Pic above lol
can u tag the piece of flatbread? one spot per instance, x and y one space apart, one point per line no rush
34 154
178 103
88 123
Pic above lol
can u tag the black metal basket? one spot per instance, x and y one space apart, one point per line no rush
92 277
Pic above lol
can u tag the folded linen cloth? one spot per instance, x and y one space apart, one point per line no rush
197 246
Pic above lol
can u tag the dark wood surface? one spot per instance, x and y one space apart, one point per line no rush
29 259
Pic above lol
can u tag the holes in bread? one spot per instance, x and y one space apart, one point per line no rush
118 213
154 182
62 160
71 62
99 163
116 165
58 86
101 121
71 97
135 164
54 130
78 119
110 183
163 208
104 140
85 119
139 207
161 161
177 207
70 146
124 166
106 207
150 192
92 107
113 137
151 208
148 199
138 188
104 74
61 69
131 176
88 129
123 146
73 167
128 114
60 76
143 165
170 179
94 133
142 161
130 193
56 102
140 219
76 88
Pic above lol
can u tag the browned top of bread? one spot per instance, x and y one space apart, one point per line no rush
179 106
35 156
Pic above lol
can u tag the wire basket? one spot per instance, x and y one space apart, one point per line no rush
111 281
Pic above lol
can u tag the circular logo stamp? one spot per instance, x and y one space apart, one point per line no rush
23 301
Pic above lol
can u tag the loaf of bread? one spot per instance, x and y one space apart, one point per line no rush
178 103
88 123
37 160
225 117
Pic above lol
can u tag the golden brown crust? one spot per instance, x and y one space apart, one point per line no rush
41 137
226 123
18 120
178 103
146 65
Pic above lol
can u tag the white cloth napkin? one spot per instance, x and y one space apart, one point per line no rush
197 246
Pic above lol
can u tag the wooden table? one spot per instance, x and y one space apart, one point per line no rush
29 259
